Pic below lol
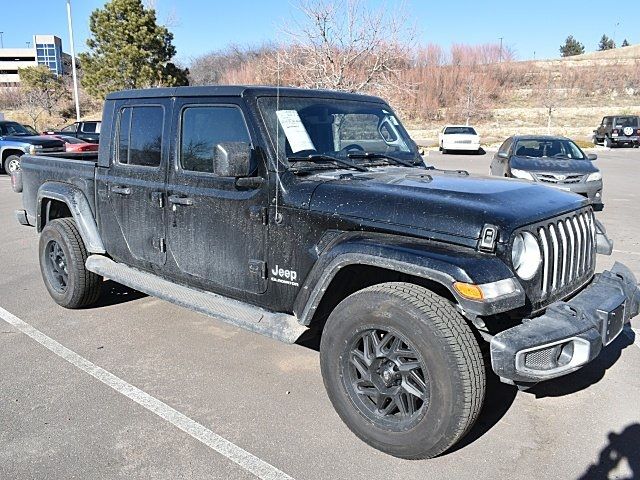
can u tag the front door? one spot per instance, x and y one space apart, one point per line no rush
134 183
216 229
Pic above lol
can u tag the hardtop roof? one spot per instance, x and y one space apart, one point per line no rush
239 91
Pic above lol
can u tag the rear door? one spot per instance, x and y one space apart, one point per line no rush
217 230
133 186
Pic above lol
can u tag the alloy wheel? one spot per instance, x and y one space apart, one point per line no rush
386 378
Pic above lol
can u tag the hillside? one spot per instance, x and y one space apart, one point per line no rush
578 90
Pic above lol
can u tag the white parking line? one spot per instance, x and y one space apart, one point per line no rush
244 459
626 251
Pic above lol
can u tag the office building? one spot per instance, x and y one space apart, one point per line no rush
44 50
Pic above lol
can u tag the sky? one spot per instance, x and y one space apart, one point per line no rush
533 29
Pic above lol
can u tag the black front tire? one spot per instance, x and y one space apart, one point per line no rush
432 334
62 263
11 164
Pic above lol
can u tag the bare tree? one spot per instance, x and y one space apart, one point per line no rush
234 64
549 96
344 45
32 102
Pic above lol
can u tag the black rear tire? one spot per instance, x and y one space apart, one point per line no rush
62 264
414 415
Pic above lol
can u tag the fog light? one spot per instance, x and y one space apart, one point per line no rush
554 358
598 195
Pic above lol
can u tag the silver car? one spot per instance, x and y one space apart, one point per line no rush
554 161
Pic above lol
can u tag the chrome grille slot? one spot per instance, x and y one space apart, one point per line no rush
545 260
567 245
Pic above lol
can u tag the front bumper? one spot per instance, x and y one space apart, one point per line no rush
569 334
590 190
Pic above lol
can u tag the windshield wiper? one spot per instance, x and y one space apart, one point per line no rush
399 161
319 157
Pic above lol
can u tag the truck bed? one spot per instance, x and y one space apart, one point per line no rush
77 169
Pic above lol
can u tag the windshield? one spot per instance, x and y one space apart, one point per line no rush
622 122
546 148
13 128
459 131
337 128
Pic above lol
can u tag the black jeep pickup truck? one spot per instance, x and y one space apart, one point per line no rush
295 213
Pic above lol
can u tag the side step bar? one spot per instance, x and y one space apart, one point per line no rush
279 326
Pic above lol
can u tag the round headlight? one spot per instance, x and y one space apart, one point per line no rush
525 255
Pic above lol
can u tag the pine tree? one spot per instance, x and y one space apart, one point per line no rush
571 47
606 43
128 49
625 43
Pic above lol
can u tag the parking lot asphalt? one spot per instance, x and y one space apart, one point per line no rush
59 422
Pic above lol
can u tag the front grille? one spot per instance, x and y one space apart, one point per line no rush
559 178
568 252
50 149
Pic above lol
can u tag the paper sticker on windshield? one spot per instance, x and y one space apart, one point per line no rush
294 130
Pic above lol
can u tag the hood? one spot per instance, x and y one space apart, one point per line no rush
35 140
445 203
552 165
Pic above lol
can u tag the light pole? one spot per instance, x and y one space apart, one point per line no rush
73 62
500 50
1 40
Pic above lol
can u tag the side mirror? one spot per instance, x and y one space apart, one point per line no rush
592 156
232 159
503 155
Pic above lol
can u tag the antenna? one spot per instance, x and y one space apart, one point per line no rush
278 215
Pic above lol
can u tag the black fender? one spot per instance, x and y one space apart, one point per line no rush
79 207
434 261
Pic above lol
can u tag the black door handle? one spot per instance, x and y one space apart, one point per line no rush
121 190
180 200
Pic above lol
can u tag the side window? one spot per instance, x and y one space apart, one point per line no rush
203 128
69 128
124 125
89 127
140 136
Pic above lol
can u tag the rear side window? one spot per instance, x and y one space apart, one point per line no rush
140 136
91 127
203 128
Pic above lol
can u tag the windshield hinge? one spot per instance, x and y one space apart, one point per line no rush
488 238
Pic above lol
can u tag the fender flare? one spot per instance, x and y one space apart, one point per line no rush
80 209
11 147
429 260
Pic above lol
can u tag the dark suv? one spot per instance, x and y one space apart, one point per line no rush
618 130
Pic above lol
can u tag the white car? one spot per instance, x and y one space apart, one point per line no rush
458 137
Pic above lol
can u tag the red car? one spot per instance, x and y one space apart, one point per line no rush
73 144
